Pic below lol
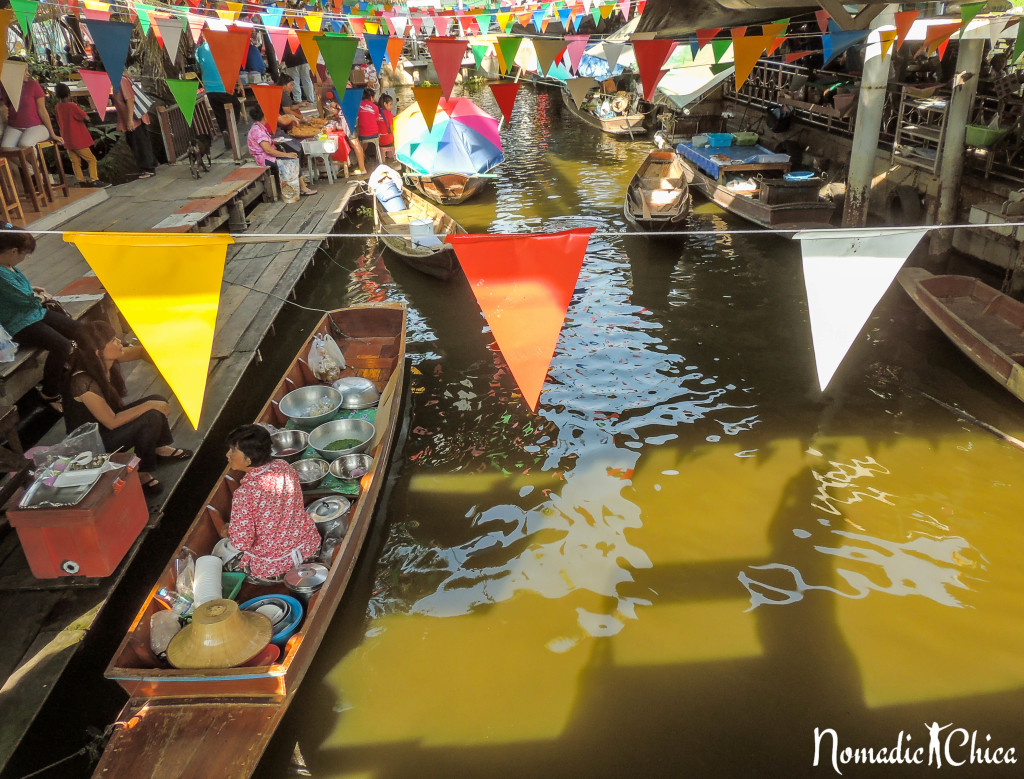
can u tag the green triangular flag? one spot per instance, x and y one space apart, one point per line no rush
25 10
484 20
144 21
1018 45
507 48
720 46
184 95
596 14
479 51
338 53
968 12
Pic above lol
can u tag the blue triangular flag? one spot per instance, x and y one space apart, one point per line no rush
563 14
112 40
377 48
835 43
694 47
271 16
350 106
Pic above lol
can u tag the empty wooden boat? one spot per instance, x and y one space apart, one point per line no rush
982 322
218 722
449 189
416 234
658 197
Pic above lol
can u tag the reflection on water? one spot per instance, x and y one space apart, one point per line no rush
596 588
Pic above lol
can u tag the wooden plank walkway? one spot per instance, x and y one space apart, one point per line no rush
56 614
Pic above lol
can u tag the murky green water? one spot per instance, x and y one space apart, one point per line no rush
688 558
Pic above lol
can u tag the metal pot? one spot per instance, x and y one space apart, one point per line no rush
357 392
306 579
330 515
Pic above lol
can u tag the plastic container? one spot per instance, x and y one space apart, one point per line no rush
798 175
716 140
699 141
745 139
231 583
982 137
390 196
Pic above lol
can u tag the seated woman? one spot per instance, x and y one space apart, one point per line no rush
386 126
27 320
95 393
290 117
332 113
269 523
263 151
367 120
28 123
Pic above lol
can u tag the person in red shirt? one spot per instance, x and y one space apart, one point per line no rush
71 119
386 125
367 119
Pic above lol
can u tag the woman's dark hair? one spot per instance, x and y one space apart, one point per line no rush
284 79
385 98
90 340
368 94
256 114
253 441
12 240
62 91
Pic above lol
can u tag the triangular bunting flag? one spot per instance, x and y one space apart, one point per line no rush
505 96
279 40
904 20
823 19
350 105
886 38
505 51
939 34
229 49
612 52
578 88
1018 45
746 51
576 45
377 48
170 33
967 12
775 33
271 16
184 92
427 99
525 296
447 54
479 52
196 24
309 41
172 307
504 21
112 40
25 11
719 46
793 56
548 49
705 36
394 49
269 98
6 17
835 43
145 22
651 55
845 275
339 53
98 84
12 76
995 30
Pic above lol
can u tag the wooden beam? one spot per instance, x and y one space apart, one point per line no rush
845 20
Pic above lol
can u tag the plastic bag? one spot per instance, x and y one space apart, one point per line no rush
8 348
85 438
325 358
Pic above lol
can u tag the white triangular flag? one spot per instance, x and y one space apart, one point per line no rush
612 52
578 88
170 31
12 77
846 273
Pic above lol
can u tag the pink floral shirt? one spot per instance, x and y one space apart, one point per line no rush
259 133
268 520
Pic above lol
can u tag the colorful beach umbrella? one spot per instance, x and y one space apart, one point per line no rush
463 139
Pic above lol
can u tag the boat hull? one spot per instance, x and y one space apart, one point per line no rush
658 197
394 231
448 189
982 322
630 125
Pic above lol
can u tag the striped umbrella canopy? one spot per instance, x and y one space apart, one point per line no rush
463 139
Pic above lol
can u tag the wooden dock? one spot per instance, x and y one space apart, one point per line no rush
53 616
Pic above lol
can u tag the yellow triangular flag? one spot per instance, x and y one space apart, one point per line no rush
578 88
172 306
886 37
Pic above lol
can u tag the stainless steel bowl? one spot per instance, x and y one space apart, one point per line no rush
357 392
338 430
311 472
288 445
297 405
351 467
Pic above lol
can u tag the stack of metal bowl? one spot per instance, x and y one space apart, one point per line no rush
357 392
339 430
311 472
310 406
350 468
288 445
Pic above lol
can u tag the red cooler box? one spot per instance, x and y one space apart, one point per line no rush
90 538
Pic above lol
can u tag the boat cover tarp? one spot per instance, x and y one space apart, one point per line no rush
710 158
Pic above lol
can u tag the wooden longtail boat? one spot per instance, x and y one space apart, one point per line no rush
982 322
657 196
218 722
448 189
624 124
748 181
416 234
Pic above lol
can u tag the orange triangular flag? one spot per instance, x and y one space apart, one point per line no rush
394 49
793 56
6 17
228 48
427 99
524 284
745 53
269 98
937 35
886 38
904 21
775 33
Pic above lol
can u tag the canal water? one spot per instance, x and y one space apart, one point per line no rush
689 558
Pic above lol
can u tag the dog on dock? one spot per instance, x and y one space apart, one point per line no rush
199 155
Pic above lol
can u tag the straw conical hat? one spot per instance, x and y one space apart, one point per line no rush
220 636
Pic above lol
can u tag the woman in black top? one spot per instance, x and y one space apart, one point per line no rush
96 391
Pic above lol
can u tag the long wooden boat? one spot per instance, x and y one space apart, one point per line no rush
218 722
658 197
624 124
448 189
982 322
416 234
749 181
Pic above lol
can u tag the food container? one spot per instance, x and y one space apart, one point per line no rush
306 579
319 146
310 406
330 515
719 139
357 392
982 137
342 430
350 468
745 139
288 445
283 611
699 141
311 472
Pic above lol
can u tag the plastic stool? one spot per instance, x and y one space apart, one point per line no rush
375 143
311 166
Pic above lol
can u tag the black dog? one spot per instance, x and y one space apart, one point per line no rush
199 155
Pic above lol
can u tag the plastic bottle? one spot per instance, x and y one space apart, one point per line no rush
176 602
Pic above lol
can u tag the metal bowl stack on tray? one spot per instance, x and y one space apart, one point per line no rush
310 406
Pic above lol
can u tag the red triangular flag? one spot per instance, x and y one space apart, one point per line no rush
650 56
505 96
793 56
904 21
703 36
447 54
523 284
98 84
269 98
229 48
822 17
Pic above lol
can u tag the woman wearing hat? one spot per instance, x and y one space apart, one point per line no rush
268 522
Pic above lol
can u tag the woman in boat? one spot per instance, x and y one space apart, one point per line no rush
268 523
95 393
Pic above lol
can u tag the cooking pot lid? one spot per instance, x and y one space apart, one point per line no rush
306 576
328 509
